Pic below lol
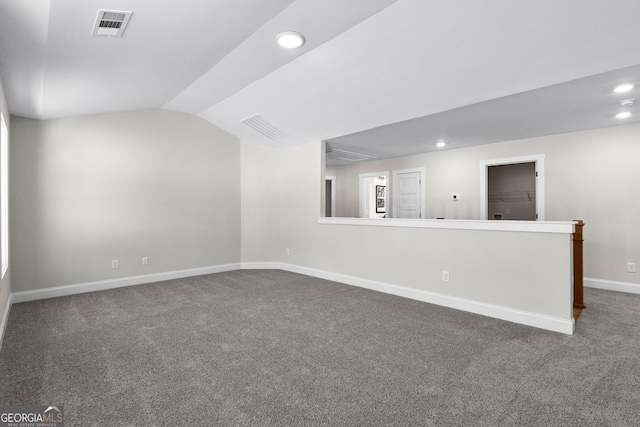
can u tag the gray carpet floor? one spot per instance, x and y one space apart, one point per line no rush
273 348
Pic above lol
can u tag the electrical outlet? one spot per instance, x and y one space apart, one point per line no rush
288 251
114 263
145 260
631 267
445 276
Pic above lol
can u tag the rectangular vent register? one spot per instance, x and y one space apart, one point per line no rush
264 127
110 23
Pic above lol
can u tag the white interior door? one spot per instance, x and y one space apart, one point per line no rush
407 194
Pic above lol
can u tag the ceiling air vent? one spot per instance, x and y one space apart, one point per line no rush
261 125
335 156
110 23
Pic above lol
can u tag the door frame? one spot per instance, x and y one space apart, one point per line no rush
361 189
538 159
332 179
396 192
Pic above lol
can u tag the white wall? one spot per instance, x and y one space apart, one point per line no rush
414 258
86 190
5 283
170 186
346 202
261 200
591 175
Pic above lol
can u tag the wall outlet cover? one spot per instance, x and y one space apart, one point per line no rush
445 276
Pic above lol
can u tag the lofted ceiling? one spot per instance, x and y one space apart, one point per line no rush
377 77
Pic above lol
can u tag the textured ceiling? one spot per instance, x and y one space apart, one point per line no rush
467 71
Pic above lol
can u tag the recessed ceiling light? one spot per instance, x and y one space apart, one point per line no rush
623 115
290 39
441 144
623 88
627 102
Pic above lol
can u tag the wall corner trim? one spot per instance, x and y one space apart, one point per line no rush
610 285
59 291
5 319
555 324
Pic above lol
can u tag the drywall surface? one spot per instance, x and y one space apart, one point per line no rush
5 282
520 270
590 175
88 190
260 178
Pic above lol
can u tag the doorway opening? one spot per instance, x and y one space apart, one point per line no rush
373 194
330 196
512 192
512 188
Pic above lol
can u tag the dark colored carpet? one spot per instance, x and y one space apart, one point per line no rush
268 347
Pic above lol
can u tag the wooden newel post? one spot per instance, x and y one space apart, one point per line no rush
578 285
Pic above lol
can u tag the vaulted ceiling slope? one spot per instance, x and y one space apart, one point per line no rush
365 64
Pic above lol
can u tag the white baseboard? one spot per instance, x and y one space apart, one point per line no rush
565 326
59 291
263 266
610 285
5 319
556 324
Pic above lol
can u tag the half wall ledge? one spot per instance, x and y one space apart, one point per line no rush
563 227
